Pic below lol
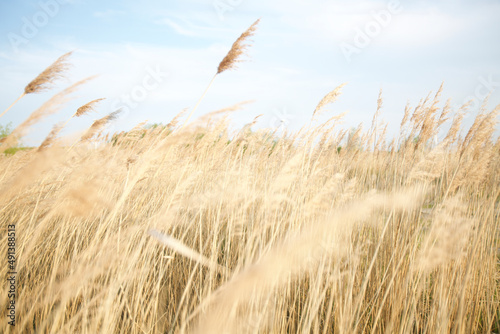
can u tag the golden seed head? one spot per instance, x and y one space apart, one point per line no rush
86 108
45 79
238 49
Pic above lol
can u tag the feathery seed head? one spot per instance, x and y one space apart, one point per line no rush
45 79
237 49
329 98
99 124
50 137
86 108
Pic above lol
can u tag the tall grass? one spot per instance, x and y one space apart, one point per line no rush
206 230
45 80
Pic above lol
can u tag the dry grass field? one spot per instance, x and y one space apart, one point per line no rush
194 227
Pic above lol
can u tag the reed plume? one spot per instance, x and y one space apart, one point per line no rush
86 108
83 110
456 124
329 98
372 137
52 106
173 123
229 62
227 110
50 137
237 50
99 124
46 79
52 73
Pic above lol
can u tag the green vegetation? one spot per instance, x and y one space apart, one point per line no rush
6 130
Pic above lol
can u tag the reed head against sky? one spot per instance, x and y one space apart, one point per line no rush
154 58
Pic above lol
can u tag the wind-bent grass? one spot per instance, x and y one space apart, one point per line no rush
198 229
45 80
339 242
228 62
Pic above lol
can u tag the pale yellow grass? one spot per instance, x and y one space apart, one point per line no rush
266 236
201 229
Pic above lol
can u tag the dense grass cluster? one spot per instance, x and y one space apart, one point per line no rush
198 228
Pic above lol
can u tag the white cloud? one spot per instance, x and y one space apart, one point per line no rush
336 23
108 13
417 30
187 27
5 56
177 27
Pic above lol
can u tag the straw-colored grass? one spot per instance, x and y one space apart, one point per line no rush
46 79
203 229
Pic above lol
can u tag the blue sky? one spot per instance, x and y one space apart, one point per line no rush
407 48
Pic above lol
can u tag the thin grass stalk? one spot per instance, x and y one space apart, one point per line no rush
45 79
229 62
17 100
199 101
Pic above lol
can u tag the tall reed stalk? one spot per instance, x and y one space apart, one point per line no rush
46 79
229 62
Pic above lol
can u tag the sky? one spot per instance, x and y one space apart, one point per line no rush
155 58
